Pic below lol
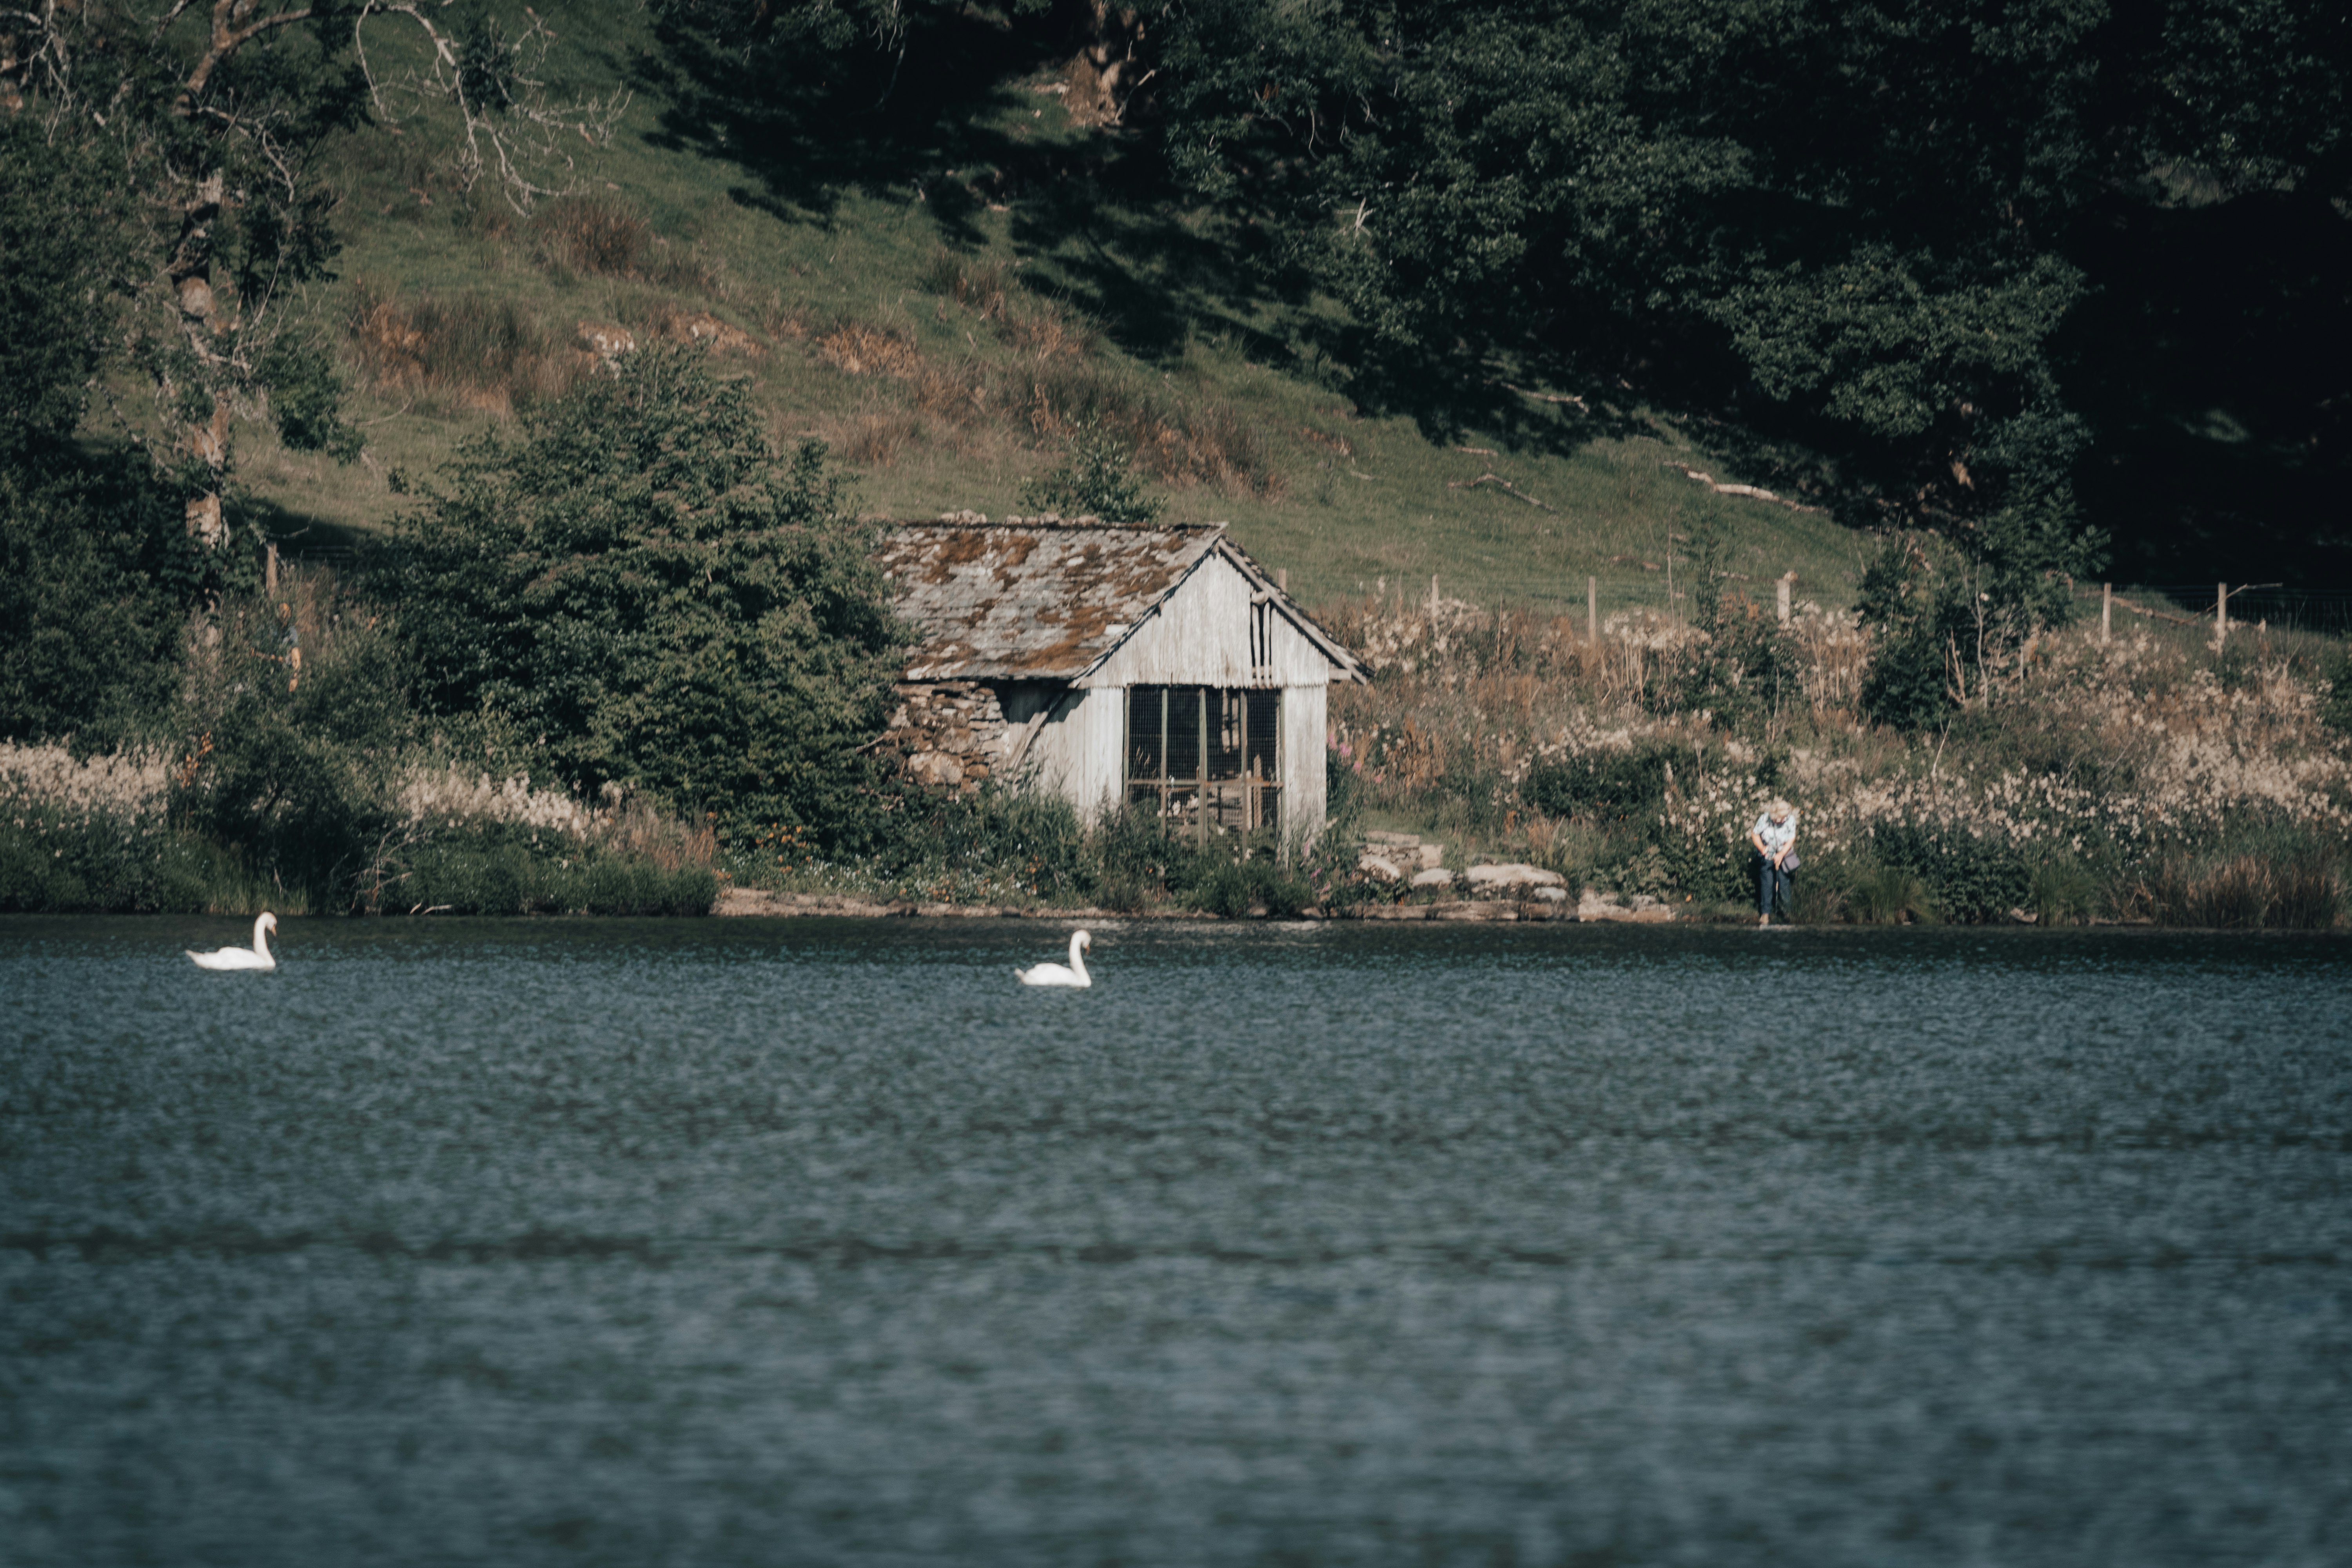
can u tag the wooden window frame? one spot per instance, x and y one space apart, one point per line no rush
1244 799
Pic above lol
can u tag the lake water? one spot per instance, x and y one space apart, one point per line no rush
808 1242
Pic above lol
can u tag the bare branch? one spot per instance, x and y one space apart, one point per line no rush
1501 484
227 40
521 139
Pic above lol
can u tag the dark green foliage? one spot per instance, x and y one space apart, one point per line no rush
1969 877
1343 791
56 861
296 784
1857 205
1923 606
641 587
66 237
1031 840
306 394
1232 888
95 564
1916 638
1748 668
1694 864
1870 224
287 798
1472 796
1605 785
995 842
1097 481
96 573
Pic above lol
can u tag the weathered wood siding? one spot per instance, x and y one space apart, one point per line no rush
1303 729
1079 749
1200 634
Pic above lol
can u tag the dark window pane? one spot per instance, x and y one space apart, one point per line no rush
1184 732
1225 711
1264 735
1145 749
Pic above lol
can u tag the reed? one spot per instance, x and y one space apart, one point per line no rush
2294 887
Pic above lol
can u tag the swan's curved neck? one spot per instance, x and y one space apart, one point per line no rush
1078 948
261 935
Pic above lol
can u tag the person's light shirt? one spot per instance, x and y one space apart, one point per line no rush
1775 836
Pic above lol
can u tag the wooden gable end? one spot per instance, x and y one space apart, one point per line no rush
1215 629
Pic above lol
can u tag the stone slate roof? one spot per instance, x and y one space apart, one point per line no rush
1042 598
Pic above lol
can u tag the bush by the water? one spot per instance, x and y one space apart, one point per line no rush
1020 847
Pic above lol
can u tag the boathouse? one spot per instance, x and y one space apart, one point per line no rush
1156 665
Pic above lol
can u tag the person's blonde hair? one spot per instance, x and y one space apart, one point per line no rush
1778 809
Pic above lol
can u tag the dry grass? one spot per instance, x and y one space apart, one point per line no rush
2297 891
595 237
485 354
872 440
126 784
1051 395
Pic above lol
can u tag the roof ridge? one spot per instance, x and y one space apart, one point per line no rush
1045 519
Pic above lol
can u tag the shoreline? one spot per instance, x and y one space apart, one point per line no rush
736 902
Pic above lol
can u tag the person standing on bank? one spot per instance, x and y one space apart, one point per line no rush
1775 837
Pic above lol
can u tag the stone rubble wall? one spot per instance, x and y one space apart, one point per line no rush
950 733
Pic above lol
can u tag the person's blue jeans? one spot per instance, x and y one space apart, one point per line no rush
1774 886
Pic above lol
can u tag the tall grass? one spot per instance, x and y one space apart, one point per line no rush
2291 887
2142 778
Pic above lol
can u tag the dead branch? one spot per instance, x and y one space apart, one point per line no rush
1752 492
1501 484
521 142
1559 397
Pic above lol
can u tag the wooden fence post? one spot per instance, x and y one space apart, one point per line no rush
1592 609
1780 594
1282 578
269 567
2106 610
2221 612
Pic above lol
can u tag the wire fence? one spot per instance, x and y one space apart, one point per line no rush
2287 607
1670 594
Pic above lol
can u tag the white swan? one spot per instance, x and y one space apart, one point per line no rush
254 957
1055 974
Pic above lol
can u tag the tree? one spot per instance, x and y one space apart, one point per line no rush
216 123
95 569
1863 222
643 591
1099 481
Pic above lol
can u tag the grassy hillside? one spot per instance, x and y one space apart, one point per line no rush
943 316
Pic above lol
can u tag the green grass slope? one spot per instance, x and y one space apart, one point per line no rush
944 331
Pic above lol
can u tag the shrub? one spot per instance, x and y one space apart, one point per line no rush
1000 842
2336 710
2062 893
643 583
1096 480
1605 784
494 870
1888 895
1969 876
